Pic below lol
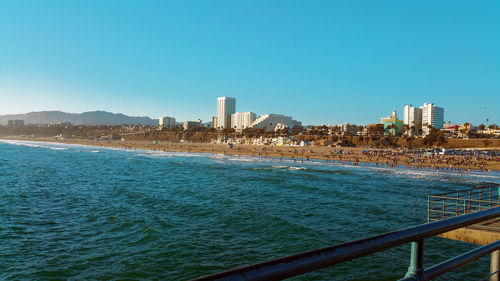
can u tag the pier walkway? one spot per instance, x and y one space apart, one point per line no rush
452 204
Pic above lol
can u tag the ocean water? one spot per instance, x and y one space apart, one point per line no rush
91 213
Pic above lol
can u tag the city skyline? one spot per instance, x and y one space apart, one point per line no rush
321 62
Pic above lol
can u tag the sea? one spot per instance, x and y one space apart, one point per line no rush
74 212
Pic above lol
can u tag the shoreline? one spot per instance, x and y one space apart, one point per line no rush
352 155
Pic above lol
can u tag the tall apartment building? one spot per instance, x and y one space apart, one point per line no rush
412 116
225 107
166 122
242 120
432 115
421 117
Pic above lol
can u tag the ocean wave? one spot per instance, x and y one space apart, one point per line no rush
297 168
285 163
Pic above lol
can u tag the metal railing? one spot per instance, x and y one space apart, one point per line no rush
294 265
452 204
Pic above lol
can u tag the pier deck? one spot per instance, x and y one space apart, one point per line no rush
442 206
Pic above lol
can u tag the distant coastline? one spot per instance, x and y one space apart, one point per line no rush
352 155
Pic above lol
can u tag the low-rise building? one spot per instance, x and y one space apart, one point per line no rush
15 123
268 122
392 125
166 122
192 124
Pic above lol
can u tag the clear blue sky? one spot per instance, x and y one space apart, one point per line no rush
319 61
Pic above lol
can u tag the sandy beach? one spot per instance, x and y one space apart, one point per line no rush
354 156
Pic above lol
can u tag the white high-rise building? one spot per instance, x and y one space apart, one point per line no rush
225 107
166 122
242 120
412 116
432 115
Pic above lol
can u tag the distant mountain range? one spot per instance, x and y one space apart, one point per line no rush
85 118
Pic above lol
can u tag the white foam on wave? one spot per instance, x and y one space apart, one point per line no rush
429 174
58 148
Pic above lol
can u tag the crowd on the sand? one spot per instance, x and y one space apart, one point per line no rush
355 156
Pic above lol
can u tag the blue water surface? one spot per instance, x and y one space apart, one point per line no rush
83 212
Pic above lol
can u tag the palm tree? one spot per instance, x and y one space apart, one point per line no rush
406 128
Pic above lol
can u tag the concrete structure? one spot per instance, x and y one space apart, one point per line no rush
192 124
269 121
225 107
392 125
432 115
166 122
242 120
412 116
15 123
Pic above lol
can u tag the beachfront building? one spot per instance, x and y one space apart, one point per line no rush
432 115
392 125
15 123
166 122
412 117
225 107
268 122
192 124
242 120
348 128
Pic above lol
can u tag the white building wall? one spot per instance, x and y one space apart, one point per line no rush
432 115
242 120
412 116
225 107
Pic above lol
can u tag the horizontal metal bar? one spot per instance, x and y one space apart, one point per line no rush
473 190
455 199
286 267
459 212
443 212
446 266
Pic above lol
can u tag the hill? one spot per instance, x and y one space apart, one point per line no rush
85 118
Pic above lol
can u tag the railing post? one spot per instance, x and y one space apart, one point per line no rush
428 208
416 259
420 257
444 208
491 198
495 265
